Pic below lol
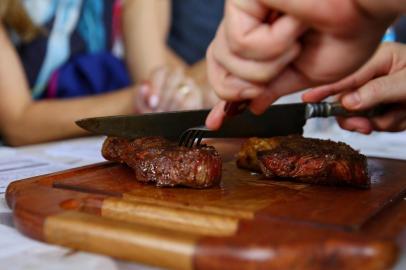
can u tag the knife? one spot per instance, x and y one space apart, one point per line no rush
278 120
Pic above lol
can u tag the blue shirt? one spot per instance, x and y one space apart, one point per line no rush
194 25
400 29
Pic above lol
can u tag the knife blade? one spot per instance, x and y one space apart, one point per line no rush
168 124
278 120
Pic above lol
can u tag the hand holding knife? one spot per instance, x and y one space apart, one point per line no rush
236 107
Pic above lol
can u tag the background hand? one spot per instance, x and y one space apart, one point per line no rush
382 80
168 91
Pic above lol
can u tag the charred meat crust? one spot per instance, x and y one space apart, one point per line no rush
247 156
159 161
307 160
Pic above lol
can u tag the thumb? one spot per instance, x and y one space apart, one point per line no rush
387 89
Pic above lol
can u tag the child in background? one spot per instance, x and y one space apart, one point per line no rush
57 65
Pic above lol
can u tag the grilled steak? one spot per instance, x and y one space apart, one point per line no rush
305 160
247 157
162 162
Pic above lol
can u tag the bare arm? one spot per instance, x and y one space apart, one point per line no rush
24 121
146 24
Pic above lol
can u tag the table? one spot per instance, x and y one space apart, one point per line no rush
18 252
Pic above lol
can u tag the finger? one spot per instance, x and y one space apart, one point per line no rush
251 70
216 116
347 84
235 89
387 89
379 65
141 94
256 39
253 8
287 82
359 124
172 84
392 121
320 93
227 86
157 83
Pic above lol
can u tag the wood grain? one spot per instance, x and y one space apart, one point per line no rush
276 244
242 194
122 240
184 220
245 223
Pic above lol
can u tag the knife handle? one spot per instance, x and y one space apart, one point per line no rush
237 107
327 109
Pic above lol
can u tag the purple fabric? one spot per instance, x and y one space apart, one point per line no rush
88 74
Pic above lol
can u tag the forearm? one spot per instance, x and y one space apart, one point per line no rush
49 120
24 121
145 26
383 8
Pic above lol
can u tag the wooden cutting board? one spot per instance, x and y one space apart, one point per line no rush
246 223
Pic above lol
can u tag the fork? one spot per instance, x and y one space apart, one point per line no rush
192 137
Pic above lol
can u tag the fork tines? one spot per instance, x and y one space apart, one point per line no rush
192 136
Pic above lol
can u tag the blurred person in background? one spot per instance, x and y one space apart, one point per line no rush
173 36
60 61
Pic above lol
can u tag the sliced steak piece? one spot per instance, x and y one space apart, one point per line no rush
164 163
308 160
